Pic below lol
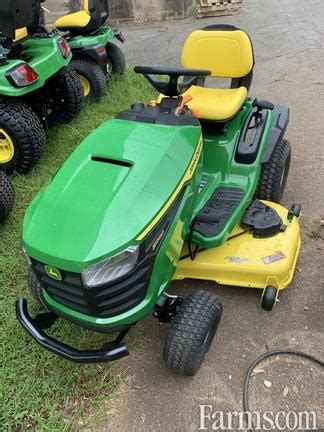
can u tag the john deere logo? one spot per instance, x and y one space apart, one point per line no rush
53 273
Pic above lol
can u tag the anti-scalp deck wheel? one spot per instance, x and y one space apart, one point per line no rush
192 332
269 298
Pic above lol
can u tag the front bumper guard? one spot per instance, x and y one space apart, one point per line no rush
35 327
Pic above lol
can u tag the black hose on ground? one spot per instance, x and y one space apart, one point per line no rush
260 359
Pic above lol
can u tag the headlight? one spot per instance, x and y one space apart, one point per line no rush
111 269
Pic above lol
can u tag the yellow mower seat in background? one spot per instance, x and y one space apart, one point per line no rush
20 34
75 20
228 53
93 15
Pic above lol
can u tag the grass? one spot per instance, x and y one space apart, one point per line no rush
39 391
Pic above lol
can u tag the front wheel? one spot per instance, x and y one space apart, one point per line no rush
7 197
22 136
192 332
116 59
66 97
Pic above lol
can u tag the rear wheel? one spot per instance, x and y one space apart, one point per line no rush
92 78
7 196
22 137
192 332
66 97
116 59
34 287
274 173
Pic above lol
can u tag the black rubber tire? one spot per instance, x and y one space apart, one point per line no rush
34 287
269 298
116 59
7 196
274 174
95 76
66 97
192 332
25 129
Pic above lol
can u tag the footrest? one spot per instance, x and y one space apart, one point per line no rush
214 215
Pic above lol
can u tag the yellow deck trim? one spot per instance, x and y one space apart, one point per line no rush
239 261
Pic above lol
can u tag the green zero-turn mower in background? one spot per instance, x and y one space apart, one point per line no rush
7 196
186 187
37 87
95 56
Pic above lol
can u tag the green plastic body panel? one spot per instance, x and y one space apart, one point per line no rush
221 170
45 58
163 271
112 203
102 37
112 207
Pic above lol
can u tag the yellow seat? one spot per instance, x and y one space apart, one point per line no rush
20 34
216 104
227 52
75 20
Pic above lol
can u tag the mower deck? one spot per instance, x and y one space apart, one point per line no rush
246 261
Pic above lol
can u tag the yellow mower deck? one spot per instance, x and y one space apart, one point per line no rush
247 261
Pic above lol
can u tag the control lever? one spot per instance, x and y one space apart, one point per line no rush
262 105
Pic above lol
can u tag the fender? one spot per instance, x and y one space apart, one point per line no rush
96 52
280 123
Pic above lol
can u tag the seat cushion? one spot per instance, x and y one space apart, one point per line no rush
216 104
20 34
75 20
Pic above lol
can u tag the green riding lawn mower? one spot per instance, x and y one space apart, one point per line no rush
95 57
37 87
185 187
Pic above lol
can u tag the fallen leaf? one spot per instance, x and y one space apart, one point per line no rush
257 371
285 391
268 384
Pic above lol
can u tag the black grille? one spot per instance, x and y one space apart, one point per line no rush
101 301
118 296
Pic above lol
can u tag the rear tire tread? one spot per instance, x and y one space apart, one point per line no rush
7 196
94 75
269 187
27 131
117 58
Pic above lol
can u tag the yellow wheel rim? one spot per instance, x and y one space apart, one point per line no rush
85 85
7 148
109 67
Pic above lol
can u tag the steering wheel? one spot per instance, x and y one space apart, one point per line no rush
172 87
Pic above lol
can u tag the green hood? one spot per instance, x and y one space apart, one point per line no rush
107 192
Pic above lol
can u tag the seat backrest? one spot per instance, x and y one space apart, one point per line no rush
17 17
223 49
98 11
